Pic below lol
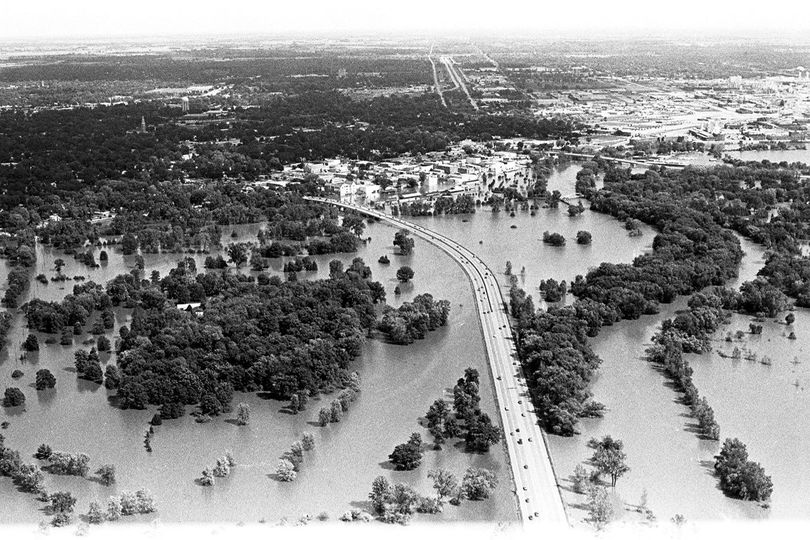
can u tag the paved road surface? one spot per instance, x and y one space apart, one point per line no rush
536 488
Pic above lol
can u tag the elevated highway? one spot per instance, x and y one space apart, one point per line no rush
536 488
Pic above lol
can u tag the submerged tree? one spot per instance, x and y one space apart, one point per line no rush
243 414
609 458
407 456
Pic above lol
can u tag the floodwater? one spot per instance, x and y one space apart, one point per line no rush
666 458
763 405
491 236
399 383
775 156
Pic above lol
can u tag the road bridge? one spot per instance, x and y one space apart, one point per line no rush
623 160
536 488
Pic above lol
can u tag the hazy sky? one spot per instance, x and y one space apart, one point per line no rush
110 18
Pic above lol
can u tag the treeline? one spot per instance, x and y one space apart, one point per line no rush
765 202
690 331
463 204
554 350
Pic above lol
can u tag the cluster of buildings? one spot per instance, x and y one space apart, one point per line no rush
735 112
466 168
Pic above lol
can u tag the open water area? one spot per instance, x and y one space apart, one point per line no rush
399 383
761 404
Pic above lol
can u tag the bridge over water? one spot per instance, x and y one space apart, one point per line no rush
536 488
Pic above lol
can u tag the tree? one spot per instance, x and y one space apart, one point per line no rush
609 458
112 377
221 468
324 416
207 479
31 343
66 338
405 274
581 479
44 380
13 397
404 498
210 405
336 411
444 482
790 318
238 253
451 428
584 237
600 510
129 503
129 244
106 473
335 269
407 456
354 223
481 434
297 449
62 502
307 441
243 414
95 515
508 270
403 241
114 510
30 478
61 519
478 483
103 344
58 264
285 471
381 494
295 402
144 502
43 452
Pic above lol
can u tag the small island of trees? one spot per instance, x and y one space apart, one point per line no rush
554 239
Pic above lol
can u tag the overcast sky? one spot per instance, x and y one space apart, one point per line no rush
111 18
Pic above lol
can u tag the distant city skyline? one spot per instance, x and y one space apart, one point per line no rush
586 18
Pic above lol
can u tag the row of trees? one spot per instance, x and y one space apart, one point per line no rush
290 463
221 469
395 503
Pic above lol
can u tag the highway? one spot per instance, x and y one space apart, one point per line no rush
458 78
436 77
535 485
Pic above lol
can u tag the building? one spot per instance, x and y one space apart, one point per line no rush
184 104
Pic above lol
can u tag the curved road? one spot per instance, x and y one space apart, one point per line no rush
536 486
